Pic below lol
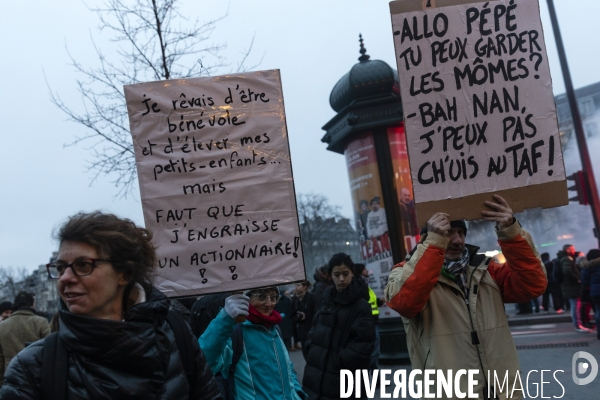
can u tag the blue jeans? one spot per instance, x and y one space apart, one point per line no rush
575 314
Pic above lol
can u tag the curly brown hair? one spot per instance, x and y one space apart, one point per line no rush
128 246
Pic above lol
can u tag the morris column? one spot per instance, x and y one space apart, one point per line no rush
369 131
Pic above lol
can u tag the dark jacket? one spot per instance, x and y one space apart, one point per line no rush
321 284
342 337
549 271
308 306
205 310
571 284
284 307
591 279
132 359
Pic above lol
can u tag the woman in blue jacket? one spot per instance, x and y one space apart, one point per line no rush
264 370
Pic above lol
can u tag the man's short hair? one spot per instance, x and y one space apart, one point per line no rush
545 255
375 199
23 299
363 201
339 259
566 246
305 283
592 255
359 268
6 306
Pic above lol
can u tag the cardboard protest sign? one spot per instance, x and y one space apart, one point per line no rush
216 183
479 111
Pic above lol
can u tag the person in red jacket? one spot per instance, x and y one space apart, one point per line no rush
451 298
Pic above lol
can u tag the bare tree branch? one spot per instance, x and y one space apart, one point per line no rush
11 281
324 231
154 42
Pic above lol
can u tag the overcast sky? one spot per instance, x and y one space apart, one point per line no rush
313 43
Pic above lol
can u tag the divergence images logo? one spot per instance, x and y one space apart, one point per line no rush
582 367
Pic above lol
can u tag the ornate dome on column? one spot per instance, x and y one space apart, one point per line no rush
366 79
366 98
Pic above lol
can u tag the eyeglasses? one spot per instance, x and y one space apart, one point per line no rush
80 267
263 297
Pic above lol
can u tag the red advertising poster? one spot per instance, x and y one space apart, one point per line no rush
369 210
404 187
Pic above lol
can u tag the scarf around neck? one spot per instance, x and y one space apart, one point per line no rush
455 270
267 321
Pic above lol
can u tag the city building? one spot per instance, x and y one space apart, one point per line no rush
37 283
588 99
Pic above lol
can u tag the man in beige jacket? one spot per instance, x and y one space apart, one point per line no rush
23 327
451 299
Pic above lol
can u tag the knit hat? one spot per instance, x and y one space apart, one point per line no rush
459 223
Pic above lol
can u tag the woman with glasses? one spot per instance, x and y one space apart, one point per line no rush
114 334
343 332
250 357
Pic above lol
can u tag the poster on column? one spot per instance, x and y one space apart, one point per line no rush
403 184
480 116
369 214
216 184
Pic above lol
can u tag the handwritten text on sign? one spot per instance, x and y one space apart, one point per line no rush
216 182
477 96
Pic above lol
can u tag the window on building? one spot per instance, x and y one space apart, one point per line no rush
564 113
591 129
587 106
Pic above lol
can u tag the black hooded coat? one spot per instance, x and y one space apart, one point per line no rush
342 337
132 359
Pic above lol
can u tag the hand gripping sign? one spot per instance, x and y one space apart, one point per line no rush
479 111
216 182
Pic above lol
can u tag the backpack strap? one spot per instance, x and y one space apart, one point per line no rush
183 340
55 368
237 344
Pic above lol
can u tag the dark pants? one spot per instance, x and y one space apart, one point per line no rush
525 308
596 301
586 307
553 290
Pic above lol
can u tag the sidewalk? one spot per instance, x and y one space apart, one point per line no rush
535 318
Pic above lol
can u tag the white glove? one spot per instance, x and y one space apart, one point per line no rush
237 304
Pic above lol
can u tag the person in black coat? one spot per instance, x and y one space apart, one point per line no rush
342 335
305 307
553 288
322 282
204 310
284 307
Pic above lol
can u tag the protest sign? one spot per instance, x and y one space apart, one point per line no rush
479 111
216 182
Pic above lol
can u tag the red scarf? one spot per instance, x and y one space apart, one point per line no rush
257 317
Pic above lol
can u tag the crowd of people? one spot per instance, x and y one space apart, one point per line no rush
573 286
117 337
